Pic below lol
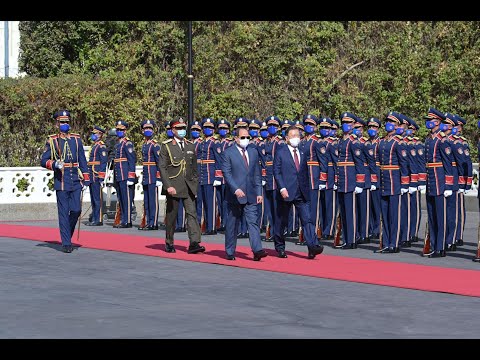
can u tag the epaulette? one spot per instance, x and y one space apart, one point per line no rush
315 137
101 142
53 136
442 134
281 141
75 135
188 141
167 141
353 137
462 137
153 141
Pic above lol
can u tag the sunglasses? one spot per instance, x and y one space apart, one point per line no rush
244 137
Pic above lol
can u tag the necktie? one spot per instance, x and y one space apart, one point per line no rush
181 144
295 158
245 158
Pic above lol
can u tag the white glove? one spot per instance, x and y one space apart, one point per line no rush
84 187
403 191
217 183
158 183
412 189
466 191
322 187
264 183
461 190
102 183
373 188
447 193
129 182
335 187
422 187
59 164
358 190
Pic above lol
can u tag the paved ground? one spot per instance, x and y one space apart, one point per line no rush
104 294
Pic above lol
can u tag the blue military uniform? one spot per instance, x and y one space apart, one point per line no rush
254 126
438 156
223 128
271 146
261 156
394 181
125 159
351 179
195 131
465 183
151 176
373 160
64 154
97 166
210 175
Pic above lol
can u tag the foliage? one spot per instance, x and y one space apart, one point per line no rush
106 70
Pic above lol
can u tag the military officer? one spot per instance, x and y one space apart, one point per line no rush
261 152
97 166
394 182
223 130
466 182
351 179
256 142
195 131
64 154
371 146
438 156
178 170
151 176
125 159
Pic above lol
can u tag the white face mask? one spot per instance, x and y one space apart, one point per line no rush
294 141
244 143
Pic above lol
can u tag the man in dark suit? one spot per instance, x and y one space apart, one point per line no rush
291 174
242 175
178 170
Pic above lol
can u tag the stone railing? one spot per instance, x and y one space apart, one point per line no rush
20 185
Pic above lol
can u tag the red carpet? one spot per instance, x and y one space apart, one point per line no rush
378 272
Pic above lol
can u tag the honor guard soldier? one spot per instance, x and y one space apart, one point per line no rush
178 171
405 215
271 192
415 198
363 199
64 154
151 177
195 131
438 155
210 175
328 178
351 179
373 159
256 142
394 181
223 130
125 159
466 182
261 153
97 167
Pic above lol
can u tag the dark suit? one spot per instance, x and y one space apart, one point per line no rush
237 176
179 170
297 185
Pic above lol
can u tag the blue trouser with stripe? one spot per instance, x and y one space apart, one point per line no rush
391 210
125 197
347 205
150 204
329 210
209 202
271 199
452 218
415 214
96 198
461 215
404 217
315 211
375 211
363 211
437 221
69 209
199 205
221 204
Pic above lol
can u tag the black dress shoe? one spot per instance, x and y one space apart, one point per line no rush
94 223
294 233
383 250
211 232
360 241
270 239
230 257
195 248
394 250
124 226
459 242
451 247
314 251
282 254
67 248
142 227
437 254
346 246
406 244
222 228
303 243
259 254
170 248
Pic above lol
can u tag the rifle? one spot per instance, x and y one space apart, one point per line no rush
301 238
118 215
336 242
426 243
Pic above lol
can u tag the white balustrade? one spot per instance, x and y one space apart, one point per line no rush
38 191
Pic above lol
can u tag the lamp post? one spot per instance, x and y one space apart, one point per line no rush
190 77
